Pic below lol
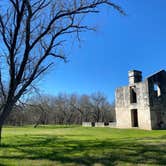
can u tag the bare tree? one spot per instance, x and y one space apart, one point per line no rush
42 109
32 33
62 109
82 106
99 106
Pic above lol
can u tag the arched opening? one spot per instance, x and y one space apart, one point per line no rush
157 90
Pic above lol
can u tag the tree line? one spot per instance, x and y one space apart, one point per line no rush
63 109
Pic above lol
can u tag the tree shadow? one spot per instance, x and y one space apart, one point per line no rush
88 152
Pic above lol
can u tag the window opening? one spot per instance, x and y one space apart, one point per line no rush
133 95
157 90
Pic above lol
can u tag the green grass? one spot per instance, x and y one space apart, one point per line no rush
75 145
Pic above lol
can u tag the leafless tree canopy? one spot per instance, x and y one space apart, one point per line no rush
32 33
63 109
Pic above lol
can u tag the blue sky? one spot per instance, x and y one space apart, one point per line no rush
102 60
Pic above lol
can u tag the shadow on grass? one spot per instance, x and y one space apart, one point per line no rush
88 152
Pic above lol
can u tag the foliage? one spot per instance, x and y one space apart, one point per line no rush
74 145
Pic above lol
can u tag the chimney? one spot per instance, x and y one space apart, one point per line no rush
134 76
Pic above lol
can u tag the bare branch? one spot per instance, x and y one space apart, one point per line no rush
2 87
3 32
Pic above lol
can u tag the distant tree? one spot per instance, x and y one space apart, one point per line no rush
41 109
62 109
32 33
99 106
83 107
17 117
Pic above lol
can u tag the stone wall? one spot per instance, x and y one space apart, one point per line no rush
124 106
157 99
112 124
99 124
87 124
142 104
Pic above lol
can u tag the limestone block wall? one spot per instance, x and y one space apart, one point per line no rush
99 124
112 124
158 118
124 106
122 102
123 118
87 124
143 106
157 102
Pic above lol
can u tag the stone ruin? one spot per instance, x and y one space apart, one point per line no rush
142 104
99 124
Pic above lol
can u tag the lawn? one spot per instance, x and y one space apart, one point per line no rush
75 145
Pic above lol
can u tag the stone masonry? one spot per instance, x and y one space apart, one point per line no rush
142 104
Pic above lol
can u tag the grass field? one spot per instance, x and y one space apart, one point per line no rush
74 145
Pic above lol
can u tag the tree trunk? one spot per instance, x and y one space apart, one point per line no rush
0 134
5 113
35 126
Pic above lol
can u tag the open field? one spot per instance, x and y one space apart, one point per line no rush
74 145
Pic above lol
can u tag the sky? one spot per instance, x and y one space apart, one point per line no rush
100 63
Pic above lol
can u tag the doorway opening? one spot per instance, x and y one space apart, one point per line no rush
134 118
